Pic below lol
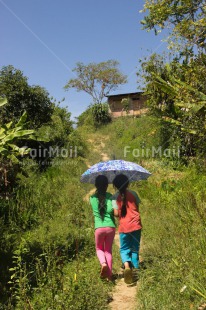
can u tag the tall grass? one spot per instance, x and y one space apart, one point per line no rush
51 263
174 243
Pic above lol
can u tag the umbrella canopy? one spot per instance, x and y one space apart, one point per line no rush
111 168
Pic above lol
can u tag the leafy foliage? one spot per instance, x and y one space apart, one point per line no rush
10 151
59 128
23 97
186 21
176 93
101 114
9 134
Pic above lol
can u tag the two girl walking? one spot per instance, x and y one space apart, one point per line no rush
124 205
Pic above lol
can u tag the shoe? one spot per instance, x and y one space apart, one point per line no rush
127 275
104 271
135 274
114 276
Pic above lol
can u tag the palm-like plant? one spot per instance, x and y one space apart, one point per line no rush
10 134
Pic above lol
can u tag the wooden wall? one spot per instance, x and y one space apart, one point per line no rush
136 106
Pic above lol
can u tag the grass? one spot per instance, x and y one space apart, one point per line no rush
174 242
130 137
52 261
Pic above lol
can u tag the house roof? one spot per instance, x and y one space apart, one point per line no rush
125 94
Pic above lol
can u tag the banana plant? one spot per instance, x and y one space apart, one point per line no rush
9 135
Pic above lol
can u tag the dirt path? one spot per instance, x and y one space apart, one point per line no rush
123 296
104 155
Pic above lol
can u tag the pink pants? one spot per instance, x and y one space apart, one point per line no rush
104 237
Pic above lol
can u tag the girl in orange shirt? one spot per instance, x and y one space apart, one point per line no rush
126 207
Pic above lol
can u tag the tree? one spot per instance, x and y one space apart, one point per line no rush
186 21
176 91
97 80
177 94
21 96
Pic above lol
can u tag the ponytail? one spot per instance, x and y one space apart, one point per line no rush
121 182
101 205
101 184
124 203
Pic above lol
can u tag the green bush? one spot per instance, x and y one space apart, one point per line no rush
100 113
95 116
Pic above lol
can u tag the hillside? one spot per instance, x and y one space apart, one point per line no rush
173 211
48 257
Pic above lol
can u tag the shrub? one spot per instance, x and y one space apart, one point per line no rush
100 113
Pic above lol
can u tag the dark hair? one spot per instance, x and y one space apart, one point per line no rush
101 184
121 182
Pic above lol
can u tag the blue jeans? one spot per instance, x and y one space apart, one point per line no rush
129 247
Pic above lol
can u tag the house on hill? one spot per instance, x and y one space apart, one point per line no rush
131 104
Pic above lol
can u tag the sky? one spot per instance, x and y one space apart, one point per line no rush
46 38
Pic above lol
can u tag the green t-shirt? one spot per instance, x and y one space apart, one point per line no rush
108 220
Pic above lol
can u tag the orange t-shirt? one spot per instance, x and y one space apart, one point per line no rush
132 220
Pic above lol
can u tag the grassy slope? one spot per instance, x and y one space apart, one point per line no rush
54 259
173 212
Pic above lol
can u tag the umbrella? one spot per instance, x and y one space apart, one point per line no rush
111 168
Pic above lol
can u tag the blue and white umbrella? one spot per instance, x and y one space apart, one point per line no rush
111 168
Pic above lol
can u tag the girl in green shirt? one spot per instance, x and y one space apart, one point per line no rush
101 203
